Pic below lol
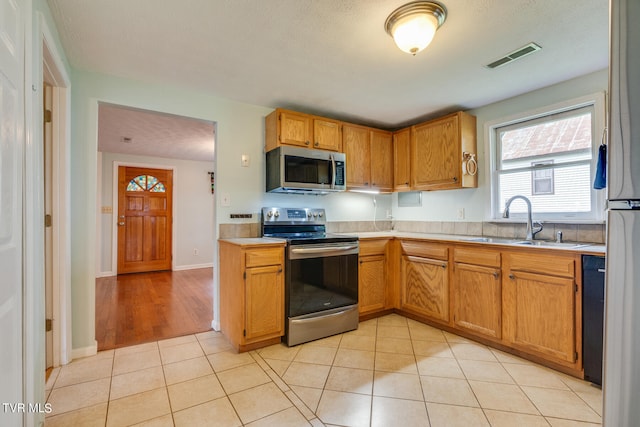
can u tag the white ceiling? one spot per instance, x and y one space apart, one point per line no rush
154 134
333 57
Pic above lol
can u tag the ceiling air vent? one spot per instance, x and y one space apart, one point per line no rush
516 54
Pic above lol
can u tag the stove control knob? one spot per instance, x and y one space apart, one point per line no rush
277 214
315 214
269 214
320 214
309 214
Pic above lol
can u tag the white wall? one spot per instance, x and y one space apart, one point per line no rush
443 205
193 210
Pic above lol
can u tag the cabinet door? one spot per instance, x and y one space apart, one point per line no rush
435 155
478 299
357 148
327 135
295 129
402 160
372 280
541 313
425 287
381 161
264 290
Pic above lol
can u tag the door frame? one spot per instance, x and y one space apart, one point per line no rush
61 197
114 215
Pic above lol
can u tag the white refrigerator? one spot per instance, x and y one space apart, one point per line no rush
621 382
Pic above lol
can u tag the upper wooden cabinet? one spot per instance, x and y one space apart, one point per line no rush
284 127
369 158
441 153
402 160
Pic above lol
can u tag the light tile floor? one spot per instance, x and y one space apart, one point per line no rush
391 371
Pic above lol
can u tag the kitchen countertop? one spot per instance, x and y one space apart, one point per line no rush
255 241
594 248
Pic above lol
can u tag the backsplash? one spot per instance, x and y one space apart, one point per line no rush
584 233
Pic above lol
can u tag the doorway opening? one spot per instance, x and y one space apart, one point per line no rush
155 226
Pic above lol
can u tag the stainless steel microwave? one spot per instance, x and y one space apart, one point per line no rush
305 171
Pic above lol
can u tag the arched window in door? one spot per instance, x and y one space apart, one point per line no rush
146 183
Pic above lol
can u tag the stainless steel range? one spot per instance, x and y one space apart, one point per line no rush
321 274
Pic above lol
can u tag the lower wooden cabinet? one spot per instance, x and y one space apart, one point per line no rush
540 305
477 285
424 280
372 276
251 293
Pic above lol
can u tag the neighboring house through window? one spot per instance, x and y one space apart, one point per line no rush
548 156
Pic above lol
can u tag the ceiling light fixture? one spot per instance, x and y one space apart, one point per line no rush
413 25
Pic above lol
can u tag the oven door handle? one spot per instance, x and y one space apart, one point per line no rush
323 249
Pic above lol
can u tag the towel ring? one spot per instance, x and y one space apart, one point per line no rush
469 164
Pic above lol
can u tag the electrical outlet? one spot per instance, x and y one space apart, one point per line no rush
244 160
460 213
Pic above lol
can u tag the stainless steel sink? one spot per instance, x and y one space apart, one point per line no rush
536 243
550 244
490 240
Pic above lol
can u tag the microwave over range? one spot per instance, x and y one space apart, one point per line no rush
305 171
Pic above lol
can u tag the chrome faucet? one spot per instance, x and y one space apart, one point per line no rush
530 232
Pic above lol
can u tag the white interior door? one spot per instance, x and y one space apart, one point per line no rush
12 138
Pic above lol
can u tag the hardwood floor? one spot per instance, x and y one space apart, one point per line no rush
142 307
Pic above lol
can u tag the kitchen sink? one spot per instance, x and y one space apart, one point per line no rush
490 240
550 244
537 243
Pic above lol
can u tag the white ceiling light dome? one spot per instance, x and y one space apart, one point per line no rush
413 25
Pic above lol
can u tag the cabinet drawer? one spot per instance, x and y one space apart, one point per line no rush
543 264
373 247
259 257
425 250
477 257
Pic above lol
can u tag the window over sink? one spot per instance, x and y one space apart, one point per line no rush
549 156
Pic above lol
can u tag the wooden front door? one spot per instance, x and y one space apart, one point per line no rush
144 219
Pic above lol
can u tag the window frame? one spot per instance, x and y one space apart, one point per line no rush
596 213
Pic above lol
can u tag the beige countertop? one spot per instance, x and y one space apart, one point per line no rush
567 246
255 241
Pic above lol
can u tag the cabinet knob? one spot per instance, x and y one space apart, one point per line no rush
496 274
511 276
406 183
444 266
306 143
316 144
455 179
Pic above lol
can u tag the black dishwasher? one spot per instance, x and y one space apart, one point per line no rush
593 268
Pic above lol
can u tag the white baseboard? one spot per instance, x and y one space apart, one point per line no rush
192 267
92 350
215 325
105 274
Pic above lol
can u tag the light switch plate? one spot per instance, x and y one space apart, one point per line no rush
244 160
